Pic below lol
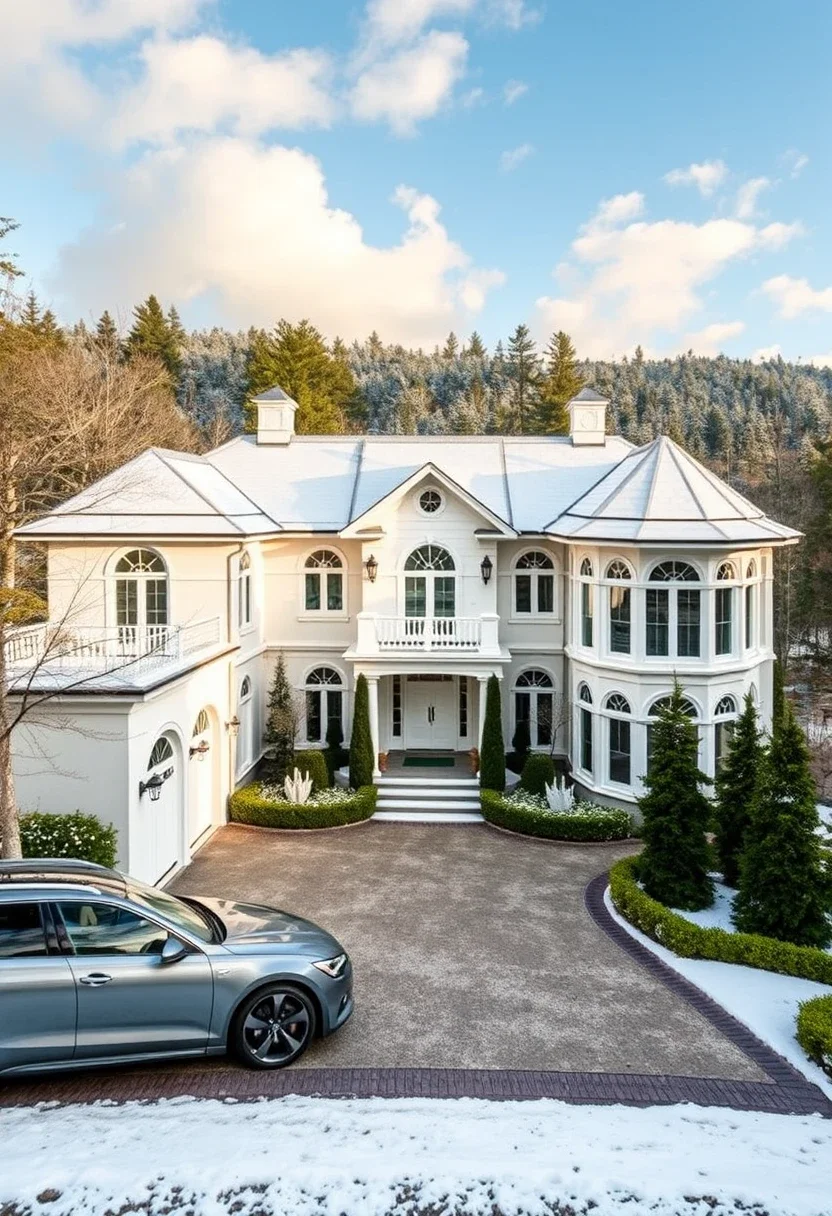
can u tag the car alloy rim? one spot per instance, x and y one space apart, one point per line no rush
277 1027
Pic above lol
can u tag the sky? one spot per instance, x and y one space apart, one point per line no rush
641 173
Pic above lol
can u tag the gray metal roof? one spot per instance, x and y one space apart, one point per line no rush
275 393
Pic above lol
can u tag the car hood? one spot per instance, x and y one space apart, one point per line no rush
256 927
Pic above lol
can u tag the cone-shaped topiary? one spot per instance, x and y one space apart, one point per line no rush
521 742
784 888
281 725
361 742
538 772
735 786
314 763
493 752
674 865
778 697
334 755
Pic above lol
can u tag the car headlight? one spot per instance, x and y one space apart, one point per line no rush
333 967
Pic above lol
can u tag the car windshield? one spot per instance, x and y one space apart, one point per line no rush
175 910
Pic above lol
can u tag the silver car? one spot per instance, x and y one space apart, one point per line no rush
97 968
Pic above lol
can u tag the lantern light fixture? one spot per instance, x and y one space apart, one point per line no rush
233 727
371 566
201 749
153 787
486 567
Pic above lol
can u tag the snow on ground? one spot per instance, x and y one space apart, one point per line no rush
305 1156
718 916
825 815
764 1001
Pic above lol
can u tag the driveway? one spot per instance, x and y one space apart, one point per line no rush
472 950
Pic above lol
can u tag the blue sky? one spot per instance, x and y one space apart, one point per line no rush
634 173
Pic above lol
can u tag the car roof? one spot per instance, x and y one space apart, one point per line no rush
58 872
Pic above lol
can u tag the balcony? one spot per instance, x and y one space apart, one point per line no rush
60 654
439 635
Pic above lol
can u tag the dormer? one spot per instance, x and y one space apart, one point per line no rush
588 417
275 416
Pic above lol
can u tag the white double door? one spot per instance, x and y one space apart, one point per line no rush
431 713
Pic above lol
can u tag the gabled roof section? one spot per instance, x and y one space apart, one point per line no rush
275 393
590 396
158 493
660 493
430 471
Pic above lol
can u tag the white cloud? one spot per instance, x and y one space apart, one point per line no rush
711 340
411 84
748 194
632 281
513 157
513 90
474 97
796 296
390 22
706 176
795 161
251 229
765 354
201 83
514 14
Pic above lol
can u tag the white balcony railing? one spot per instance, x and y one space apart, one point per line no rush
132 648
444 634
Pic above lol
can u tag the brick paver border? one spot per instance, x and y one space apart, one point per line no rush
786 1091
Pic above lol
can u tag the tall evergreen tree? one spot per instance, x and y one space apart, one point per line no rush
493 754
735 786
8 267
296 358
476 347
153 335
778 697
523 372
451 347
281 724
560 384
785 887
673 867
106 332
362 760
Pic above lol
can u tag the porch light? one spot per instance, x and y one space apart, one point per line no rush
486 566
233 727
201 750
153 787
371 566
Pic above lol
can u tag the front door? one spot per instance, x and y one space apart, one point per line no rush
431 723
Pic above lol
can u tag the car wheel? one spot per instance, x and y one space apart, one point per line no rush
273 1027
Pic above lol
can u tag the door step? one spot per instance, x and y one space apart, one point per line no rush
430 782
426 805
428 799
429 816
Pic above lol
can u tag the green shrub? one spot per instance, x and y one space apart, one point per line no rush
362 760
814 1030
538 772
692 941
521 741
335 754
588 823
493 751
82 836
314 763
281 725
248 806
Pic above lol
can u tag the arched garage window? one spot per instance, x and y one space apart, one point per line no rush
534 703
324 703
620 738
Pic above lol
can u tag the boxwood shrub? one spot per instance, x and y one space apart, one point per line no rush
814 1030
248 806
313 763
81 836
538 772
589 823
692 941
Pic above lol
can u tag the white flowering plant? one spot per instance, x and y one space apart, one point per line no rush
77 835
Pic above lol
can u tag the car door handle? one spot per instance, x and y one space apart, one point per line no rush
95 979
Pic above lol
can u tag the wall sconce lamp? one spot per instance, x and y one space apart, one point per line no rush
153 787
233 727
486 566
371 566
201 750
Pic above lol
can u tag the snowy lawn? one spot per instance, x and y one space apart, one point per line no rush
718 916
305 1156
764 1001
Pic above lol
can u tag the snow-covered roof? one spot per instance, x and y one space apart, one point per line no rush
608 491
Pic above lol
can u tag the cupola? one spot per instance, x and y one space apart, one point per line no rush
588 417
275 416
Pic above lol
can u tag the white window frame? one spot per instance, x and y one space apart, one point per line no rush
322 687
245 613
724 717
614 715
533 691
726 584
430 575
751 600
587 589
534 572
141 578
323 612
585 705
612 583
673 587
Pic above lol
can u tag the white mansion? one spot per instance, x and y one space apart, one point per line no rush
580 570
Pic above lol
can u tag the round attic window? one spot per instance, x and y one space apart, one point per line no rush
430 501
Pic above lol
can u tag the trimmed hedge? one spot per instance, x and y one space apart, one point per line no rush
246 806
538 772
692 941
314 764
814 1031
601 825
84 837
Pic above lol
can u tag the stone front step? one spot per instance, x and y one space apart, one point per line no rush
428 799
470 783
430 816
428 805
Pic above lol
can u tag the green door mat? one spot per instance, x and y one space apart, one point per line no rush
428 762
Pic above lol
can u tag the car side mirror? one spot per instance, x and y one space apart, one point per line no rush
172 950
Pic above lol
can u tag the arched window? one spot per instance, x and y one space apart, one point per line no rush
725 715
534 703
324 582
245 735
141 595
429 590
202 725
619 607
724 611
673 613
161 754
619 752
324 703
587 603
751 594
585 728
534 584
655 709
244 592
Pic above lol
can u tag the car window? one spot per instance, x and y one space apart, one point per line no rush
181 914
96 928
21 931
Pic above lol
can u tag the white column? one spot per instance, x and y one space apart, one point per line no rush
372 689
482 682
